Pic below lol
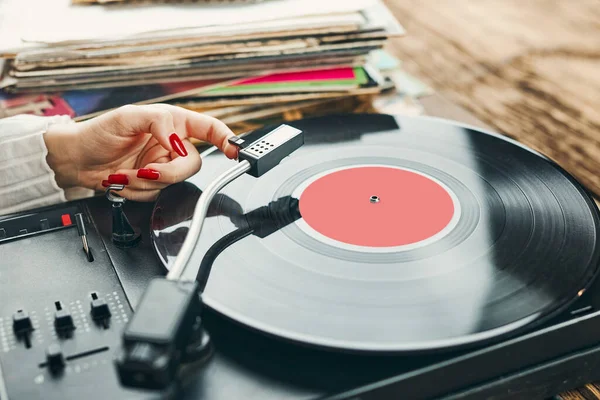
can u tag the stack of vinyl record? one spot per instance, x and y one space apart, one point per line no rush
84 59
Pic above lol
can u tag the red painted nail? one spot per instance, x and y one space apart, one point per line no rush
177 145
105 183
118 179
147 173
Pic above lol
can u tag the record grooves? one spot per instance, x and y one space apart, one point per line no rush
502 238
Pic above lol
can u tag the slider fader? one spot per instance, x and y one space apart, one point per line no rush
62 310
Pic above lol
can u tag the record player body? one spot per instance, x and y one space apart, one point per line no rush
387 258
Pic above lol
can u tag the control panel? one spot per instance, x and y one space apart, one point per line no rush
62 312
32 224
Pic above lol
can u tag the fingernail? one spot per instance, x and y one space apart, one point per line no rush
118 179
147 173
105 183
177 145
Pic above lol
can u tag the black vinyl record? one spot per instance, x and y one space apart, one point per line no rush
389 234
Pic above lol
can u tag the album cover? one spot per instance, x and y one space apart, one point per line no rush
83 103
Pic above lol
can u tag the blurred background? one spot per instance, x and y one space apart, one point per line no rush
245 62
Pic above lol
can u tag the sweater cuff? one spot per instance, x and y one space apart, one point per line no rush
26 179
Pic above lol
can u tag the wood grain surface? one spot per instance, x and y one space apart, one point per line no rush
528 69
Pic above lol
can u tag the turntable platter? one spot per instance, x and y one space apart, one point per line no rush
389 234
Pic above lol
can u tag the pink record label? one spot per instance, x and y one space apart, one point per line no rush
376 206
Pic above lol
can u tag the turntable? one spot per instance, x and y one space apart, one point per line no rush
387 257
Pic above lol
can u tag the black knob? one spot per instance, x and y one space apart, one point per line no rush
123 234
100 309
63 321
22 323
55 359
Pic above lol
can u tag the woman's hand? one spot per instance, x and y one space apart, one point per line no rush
144 147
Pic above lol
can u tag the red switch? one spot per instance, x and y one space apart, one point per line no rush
66 219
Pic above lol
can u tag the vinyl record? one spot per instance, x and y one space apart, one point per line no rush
389 234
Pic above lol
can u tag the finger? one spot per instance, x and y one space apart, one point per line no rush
205 128
212 130
158 175
139 195
138 179
178 169
152 153
148 119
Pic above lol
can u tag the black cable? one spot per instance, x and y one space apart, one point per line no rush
260 222
216 249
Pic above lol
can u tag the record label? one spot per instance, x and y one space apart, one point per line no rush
376 206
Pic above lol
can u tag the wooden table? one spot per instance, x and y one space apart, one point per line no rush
528 69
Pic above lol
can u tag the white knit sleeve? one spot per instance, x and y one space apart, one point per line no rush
26 179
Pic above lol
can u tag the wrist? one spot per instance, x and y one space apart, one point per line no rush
62 142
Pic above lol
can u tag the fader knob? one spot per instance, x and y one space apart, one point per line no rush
22 322
63 321
100 309
55 358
